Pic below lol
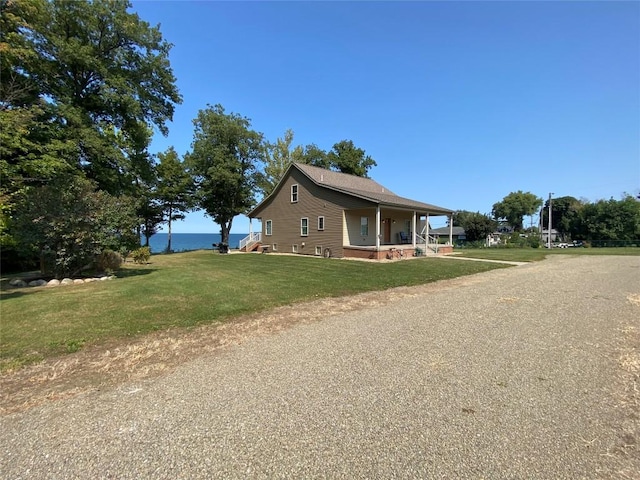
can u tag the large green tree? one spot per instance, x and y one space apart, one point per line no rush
345 157
82 84
223 161
565 212
93 74
608 220
311 155
175 193
476 225
278 156
515 206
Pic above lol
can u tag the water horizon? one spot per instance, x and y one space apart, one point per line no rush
184 242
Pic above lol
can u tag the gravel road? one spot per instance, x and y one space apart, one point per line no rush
514 374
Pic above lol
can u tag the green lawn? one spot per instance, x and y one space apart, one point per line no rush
187 289
535 254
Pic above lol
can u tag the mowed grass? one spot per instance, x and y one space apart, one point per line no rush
536 254
187 289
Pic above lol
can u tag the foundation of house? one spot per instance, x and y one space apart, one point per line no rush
391 251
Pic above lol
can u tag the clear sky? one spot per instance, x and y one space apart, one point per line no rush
459 103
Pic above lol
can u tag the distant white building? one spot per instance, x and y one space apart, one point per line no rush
545 235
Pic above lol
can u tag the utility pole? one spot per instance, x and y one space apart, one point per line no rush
549 231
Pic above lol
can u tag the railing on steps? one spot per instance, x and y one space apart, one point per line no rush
430 242
249 240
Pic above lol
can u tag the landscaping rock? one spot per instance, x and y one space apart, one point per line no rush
37 283
53 283
66 281
102 279
16 282
78 281
89 280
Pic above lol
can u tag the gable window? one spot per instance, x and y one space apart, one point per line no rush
268 228
294 193
304 226
364 226
320 223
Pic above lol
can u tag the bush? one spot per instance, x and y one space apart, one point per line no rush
109 261
141 255
533 241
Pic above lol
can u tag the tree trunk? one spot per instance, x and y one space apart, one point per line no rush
225 228
169 232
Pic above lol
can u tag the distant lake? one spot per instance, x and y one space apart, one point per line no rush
181 242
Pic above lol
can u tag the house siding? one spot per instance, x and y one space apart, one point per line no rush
313 201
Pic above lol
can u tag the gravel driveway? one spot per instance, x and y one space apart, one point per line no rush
516 373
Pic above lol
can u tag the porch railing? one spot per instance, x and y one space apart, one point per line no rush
250 240
430 242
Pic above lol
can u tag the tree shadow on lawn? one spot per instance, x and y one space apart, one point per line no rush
7 291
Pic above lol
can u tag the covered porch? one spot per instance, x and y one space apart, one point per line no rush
391 232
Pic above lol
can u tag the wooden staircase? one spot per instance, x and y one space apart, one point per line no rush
251 242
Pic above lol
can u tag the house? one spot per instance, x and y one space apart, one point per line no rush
452 235
544 237
314 211
500 235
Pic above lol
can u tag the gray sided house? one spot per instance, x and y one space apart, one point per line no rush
314 211
455 234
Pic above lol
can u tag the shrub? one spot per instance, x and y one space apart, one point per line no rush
109 261
141 255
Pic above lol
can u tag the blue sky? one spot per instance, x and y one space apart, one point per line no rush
459 103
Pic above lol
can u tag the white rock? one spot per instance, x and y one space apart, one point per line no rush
37 283
89 280
102 279
16 282
66 281
78 281
53 283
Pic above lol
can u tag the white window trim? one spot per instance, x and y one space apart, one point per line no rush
319 250
319 228
268 228
274 247
302 234
294 248
296 193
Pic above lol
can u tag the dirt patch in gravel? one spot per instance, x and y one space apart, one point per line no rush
105 365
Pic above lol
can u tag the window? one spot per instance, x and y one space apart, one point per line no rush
275 247
318 249
320 223
304 227
364 226
268 229
294 248
294 193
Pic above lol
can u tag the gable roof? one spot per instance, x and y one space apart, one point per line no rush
355 186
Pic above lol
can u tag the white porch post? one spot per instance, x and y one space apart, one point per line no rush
378 228
413 230
250 228
451 229
426 234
